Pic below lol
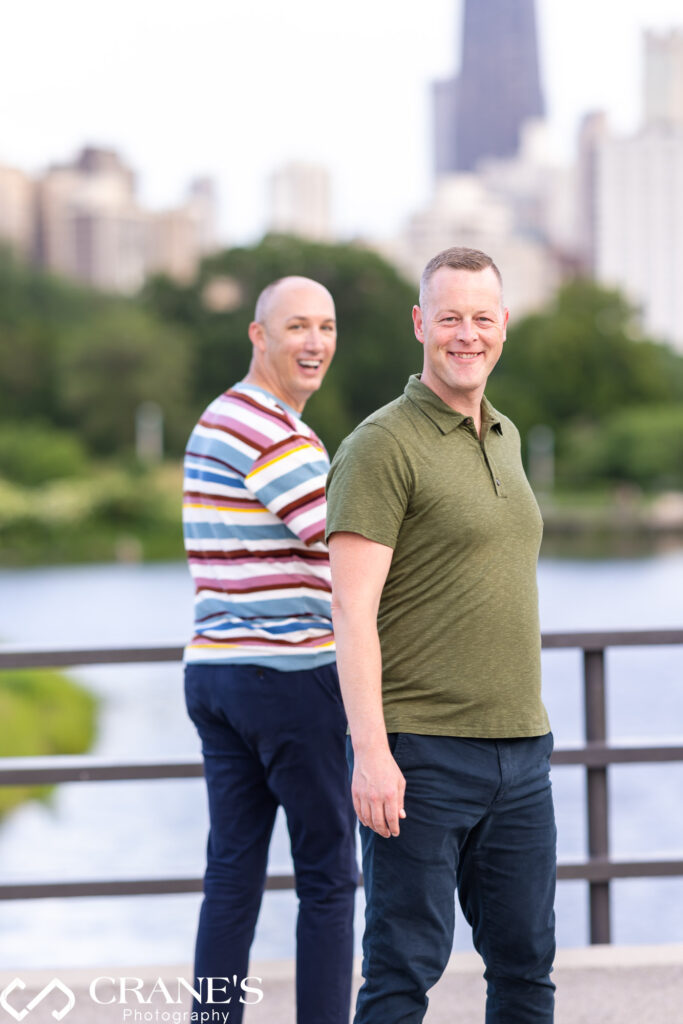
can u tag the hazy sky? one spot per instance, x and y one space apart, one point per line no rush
231 88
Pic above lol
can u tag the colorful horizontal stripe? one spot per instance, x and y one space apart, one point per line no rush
254 525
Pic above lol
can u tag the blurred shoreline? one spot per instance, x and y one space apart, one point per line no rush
624 524
132 515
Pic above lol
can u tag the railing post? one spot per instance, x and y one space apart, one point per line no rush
596 791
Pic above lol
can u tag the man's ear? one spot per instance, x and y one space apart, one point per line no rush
257 335
506 317
417 324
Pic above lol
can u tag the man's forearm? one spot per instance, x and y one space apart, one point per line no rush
377 786
359 570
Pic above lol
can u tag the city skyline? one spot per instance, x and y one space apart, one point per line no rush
206 89
82 219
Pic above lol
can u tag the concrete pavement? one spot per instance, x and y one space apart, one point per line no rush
596 985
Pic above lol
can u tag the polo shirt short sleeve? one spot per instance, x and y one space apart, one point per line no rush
374 455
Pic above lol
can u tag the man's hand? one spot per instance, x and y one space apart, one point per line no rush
378 788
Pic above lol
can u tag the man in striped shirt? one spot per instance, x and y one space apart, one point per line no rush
260 680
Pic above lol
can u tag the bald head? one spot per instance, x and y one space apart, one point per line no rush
273 294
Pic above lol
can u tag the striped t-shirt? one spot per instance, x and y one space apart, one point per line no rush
254 526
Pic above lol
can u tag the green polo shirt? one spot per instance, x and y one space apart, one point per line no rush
458 617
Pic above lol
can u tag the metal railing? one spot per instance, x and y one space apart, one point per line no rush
598 869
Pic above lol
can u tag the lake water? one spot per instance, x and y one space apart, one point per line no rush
121 829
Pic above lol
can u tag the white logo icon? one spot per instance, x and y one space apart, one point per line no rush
20 1014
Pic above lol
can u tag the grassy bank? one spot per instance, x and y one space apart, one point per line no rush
121 513
114 514
42 712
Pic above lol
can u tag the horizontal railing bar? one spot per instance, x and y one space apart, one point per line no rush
597 641
26 771
121 887
597 756
23 656
591 871
606 870
134 887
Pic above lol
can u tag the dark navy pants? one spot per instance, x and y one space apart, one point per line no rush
480 820
274 738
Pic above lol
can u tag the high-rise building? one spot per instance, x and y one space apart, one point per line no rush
300 201
480 112
90 226
639 225
638 190
663 79
17 214
180 237
593 132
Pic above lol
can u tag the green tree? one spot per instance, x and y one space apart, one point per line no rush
642 445
32 453
34 309
581 367
580 360
81 359
111 364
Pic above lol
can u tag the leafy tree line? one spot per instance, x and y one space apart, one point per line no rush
75 364
613 399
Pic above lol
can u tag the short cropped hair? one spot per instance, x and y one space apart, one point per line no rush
457 258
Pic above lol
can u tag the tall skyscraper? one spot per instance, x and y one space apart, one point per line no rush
663 79
17 210
88 224
638 185
300 201
480 112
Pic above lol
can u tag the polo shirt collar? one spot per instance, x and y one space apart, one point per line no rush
443 417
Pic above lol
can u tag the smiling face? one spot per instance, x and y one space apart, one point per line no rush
294 340
461 326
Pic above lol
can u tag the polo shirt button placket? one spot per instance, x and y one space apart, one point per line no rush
497 482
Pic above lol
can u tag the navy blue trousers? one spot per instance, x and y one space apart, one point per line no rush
273 738
480 820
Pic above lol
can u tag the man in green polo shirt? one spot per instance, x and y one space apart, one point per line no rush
434 536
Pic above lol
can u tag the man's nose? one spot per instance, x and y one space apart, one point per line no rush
314 338
466 330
